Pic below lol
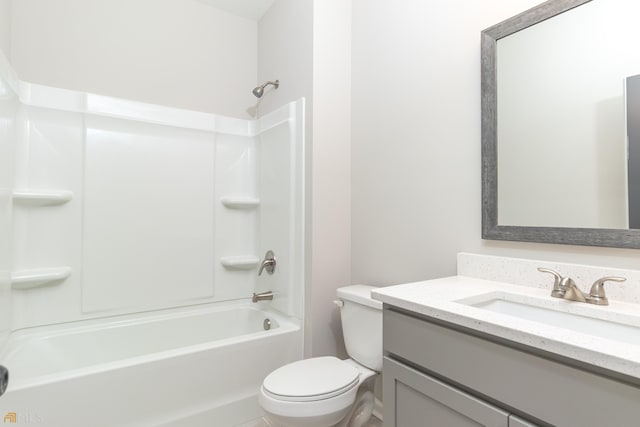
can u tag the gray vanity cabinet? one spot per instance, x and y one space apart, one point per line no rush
438 376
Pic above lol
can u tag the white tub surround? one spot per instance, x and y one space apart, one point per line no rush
117 206
452 300
136 233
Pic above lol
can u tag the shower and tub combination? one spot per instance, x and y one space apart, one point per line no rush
132 294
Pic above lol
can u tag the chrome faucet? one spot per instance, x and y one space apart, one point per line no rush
268 263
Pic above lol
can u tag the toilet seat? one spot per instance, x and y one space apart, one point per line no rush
312 379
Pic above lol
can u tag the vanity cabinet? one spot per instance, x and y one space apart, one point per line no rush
435 375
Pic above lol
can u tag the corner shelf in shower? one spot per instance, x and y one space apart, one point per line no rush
240 262
42 197
37 278
240 202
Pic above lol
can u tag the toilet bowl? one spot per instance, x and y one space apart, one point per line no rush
318 392
327 391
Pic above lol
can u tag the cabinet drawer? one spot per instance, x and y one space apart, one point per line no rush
414 399
553 392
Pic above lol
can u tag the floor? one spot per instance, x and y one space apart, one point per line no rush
373 422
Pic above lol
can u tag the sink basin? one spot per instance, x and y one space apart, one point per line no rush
586 319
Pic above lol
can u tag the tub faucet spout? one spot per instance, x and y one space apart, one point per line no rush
262 296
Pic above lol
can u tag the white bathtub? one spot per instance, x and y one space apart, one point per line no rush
182 367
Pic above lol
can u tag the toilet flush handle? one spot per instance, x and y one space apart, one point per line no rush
339 303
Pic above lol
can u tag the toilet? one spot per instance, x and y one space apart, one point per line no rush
327 391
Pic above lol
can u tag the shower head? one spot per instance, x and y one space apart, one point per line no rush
259 91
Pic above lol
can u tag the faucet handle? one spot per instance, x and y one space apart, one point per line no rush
558 290
268 263
597 295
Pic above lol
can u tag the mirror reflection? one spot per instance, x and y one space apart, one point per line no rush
567 93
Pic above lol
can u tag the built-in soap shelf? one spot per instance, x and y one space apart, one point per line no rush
240 262
37 278
240 202
42 197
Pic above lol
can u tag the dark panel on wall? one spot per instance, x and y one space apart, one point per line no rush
633 133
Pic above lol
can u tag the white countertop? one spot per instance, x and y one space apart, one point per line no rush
438 299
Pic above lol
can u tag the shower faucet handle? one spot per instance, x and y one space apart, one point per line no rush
268 263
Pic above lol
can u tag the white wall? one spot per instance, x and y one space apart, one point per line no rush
5 27
285 40
285 37
181 53
416 142
306 45
331 242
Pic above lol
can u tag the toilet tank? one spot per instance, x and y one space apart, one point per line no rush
362 325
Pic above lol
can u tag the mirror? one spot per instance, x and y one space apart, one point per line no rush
558 84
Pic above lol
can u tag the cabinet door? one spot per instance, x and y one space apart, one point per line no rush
414 399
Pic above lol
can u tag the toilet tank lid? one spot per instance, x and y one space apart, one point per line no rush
360 294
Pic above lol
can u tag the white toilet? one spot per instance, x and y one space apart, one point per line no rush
326 391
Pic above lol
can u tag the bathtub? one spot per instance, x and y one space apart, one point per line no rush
198 366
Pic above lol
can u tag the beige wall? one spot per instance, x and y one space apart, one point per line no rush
181 53
416 142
